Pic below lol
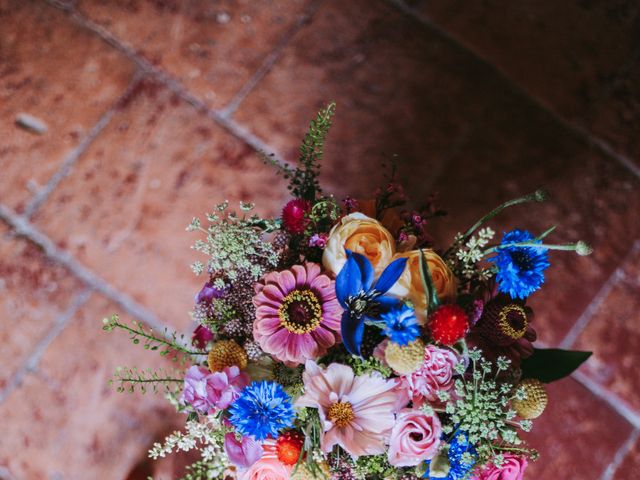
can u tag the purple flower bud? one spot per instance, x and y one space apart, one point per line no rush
208 293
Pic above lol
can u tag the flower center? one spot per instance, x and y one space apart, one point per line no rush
512 321
341 414
300 312
522 260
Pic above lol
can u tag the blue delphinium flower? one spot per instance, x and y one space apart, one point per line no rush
401 325
462 456
262 410
520 268
361 298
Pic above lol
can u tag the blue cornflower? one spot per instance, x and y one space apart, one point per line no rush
262 410
401 325
459 464
520 269
362 299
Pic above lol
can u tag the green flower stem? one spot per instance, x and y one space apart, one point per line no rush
537 196
580 247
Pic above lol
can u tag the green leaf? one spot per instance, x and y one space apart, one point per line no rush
551 364
427 283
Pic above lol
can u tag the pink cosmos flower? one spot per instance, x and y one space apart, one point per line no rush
512 468
357 413
242 453
268 467
436 374
415 438
206 391
297 314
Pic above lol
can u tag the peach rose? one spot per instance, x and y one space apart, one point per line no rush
360 234
268 467
410 283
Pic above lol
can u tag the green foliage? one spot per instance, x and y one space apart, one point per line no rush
551 364
303 180
131 379
168 345
362 366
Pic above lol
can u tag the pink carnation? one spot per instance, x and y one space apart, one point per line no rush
415 438
436 374
512 468
206 391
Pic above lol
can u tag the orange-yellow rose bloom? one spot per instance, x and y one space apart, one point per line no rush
360 234
409 285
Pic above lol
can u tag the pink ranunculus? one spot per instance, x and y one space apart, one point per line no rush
225 386
242 453
415 438
512 468
436 374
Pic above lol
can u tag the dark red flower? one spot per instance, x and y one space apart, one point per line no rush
201 337
294 215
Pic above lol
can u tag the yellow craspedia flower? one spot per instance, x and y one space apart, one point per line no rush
405 359
226 353
535 400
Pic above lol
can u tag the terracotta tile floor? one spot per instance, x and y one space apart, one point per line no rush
155 110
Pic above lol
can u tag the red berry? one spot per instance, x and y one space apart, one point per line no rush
448 324
294 215
289 446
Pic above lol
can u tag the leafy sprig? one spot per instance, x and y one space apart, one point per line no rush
169 344
131 379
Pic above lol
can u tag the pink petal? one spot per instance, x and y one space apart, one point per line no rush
300 273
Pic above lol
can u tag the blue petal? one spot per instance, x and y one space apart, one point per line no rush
366 269
388 302
352 329
349 280
390 275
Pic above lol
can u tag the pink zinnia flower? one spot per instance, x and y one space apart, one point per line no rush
436 374
357 413
297 314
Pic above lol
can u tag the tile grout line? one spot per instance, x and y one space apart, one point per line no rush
32 362
616 403
620 455
22 227
69 162
168 81
270 60
584 135
583 321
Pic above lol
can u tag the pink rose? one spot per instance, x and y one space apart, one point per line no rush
267 468
512 468
415 437
242 453
436 374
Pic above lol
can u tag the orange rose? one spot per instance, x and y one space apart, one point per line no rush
360 234
410 282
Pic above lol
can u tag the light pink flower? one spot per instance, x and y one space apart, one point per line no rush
206 391
512 468
268 467
415 437
436 374
297 314
357 412
242 453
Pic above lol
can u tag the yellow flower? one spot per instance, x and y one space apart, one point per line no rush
409 285
360 234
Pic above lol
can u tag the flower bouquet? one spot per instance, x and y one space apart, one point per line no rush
335 342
